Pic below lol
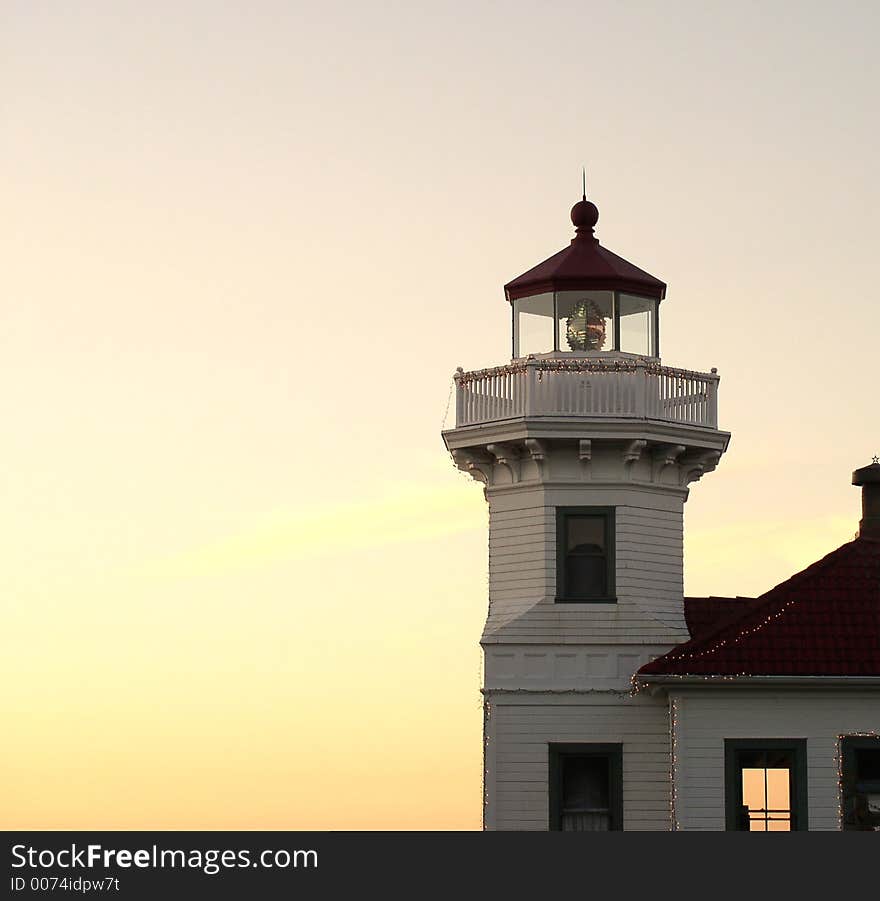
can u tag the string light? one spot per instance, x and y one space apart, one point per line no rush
692 655
841 813
673 761
556 691
448 404
487 715
516 367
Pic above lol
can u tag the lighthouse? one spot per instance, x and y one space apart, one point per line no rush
587 445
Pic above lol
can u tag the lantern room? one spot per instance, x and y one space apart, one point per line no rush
585 300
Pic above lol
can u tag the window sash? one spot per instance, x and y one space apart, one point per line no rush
564 591
585 819
767 755
860 797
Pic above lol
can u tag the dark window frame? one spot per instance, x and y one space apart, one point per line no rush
558 752
800 819
849 744
562 595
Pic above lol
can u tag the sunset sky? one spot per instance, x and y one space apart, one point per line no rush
247 244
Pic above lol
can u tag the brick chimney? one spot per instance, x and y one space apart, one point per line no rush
868 479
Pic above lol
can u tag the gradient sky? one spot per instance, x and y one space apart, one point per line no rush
246 247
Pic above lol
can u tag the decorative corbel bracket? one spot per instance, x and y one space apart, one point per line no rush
538 453
481 470
632 450
694 467
585 455
506 456
665 455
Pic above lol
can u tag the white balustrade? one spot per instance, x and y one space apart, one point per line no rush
596 388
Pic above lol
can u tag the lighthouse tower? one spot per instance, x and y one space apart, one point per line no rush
586 445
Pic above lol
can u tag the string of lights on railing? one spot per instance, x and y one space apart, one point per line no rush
463 378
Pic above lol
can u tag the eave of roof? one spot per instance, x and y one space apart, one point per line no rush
746 680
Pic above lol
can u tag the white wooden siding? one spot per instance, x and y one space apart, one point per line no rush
520 729
569 667
522 568
706 717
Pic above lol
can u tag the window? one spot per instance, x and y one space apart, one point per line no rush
586 788
766 785
533 325
638 325
585 554
585 321
860 758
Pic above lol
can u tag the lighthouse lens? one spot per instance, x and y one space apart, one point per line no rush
585 321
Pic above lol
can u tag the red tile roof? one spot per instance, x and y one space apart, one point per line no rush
824 621
704 615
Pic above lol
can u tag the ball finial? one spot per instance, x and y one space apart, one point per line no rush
584 215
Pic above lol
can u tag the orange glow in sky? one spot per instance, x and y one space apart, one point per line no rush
246 247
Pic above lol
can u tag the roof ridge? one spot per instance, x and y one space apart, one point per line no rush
609 252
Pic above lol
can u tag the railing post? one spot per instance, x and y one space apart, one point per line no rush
531 388
459 398
712 399
640 401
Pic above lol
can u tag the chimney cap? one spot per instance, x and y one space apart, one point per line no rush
867 475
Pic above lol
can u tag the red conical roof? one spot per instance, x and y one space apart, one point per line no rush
585 264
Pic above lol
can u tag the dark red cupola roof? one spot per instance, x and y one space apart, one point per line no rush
585 264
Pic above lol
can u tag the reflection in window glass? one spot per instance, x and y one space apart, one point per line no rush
585 569
585 534
585 320
861 783
533 325
586 804
637 324
766 791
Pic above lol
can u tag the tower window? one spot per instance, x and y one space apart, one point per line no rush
585 554
586 788
861 783
766 785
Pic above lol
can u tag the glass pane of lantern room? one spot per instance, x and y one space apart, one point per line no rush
533 325
585 320
637 324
